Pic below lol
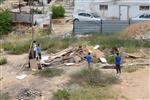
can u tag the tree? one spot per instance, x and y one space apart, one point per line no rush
58 11
5 21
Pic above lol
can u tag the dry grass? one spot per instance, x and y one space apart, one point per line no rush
94 77
136 30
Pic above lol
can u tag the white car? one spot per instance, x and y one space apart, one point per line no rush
86 17
142 17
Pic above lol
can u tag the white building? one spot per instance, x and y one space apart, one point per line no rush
113 9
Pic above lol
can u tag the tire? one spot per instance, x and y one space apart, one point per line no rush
76 20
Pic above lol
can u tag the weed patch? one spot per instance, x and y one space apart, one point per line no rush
92 93
3 61
50 72
61 95
94 77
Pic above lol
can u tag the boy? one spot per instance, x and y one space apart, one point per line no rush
34 48
118 62
88 59
38 52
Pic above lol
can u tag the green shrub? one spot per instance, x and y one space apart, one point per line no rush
5 21
94 77
110 59
50 72
58 11
62 95
17 48
3 61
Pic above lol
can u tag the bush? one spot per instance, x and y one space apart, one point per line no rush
94 77
58 11
61 95
5 22
50 72
3 61
111 59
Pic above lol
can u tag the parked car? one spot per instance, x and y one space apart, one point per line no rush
86 17
142 17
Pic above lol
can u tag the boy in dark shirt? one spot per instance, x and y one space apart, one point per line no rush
38 52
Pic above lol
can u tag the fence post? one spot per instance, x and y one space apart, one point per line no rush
50 24
129 21
101 26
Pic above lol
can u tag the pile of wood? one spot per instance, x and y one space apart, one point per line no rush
73 55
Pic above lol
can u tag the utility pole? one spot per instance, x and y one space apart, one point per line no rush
31 16
19 6
43 5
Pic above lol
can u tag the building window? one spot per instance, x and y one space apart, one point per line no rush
144 7
103 7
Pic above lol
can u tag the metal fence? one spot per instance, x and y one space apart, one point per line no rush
103 26
39 19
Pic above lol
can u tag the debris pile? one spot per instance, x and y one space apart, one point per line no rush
139 31
73 55
28 94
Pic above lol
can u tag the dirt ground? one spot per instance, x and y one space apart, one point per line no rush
133 86
47 86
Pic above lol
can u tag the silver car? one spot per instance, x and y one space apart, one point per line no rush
86 17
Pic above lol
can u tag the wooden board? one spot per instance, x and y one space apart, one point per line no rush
33 64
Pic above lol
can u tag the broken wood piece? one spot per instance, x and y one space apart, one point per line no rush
69 64
133 56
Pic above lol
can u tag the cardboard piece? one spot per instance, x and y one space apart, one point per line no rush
33 64
21 77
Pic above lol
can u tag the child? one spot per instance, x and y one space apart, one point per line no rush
34 48
88 59
38 52
118 62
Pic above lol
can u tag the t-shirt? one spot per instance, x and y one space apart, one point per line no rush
38 50
34 46
88 58
118 60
